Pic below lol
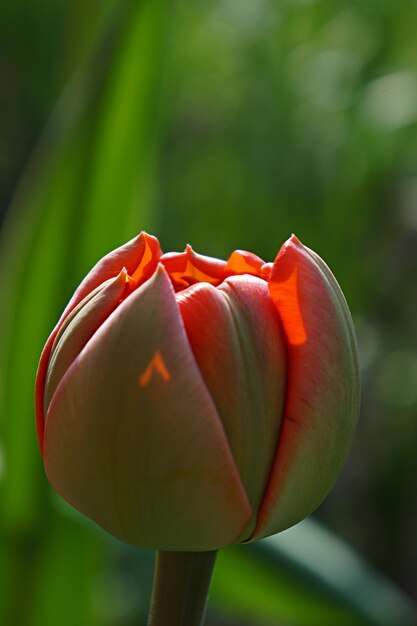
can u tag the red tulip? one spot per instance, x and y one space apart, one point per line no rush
186 403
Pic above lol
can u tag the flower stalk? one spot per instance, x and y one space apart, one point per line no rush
181 584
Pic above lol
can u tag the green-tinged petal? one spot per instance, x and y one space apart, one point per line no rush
322 391
78 328
236 336
133 439
139 257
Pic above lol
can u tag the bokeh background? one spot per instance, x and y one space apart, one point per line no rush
227 124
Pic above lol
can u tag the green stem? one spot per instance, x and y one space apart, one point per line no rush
180 588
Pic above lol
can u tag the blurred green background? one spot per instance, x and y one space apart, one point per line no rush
227 124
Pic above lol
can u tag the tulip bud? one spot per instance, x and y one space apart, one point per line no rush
187 403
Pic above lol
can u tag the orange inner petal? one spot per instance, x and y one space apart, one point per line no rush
149 260
285 296
242 262
187 268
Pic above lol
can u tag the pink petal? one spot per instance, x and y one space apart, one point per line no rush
133 439
139 257
322 391
236 336
78 328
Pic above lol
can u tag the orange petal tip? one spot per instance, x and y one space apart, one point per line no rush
294 239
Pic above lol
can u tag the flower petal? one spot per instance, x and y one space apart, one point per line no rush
78 328
140 257
188 267
236 336
243 262
323 388
133 439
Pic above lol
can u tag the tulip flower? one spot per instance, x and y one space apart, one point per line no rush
185 403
